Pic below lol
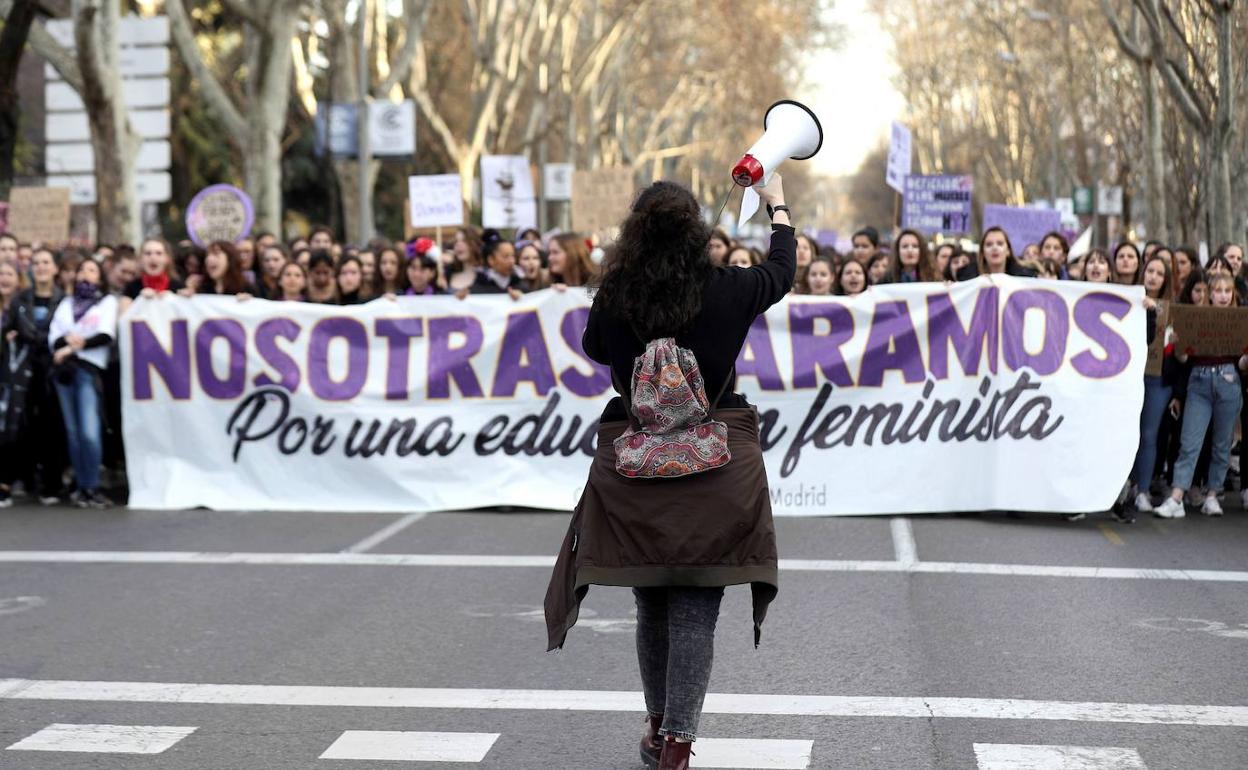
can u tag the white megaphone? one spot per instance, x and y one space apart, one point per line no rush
791 132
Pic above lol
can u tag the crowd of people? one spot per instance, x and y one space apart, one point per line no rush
60 398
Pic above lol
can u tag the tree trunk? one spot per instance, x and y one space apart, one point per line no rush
347 172
1156 165
12 45
263 156
113 143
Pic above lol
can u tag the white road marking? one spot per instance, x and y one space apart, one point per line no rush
20 604
384 534
609 700
752 754
546 562
1010 756
903 541
382 745
103 739
1211 627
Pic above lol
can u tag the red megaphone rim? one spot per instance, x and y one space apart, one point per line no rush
813 117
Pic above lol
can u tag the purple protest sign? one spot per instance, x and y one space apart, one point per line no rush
938 204
1023 225
220 212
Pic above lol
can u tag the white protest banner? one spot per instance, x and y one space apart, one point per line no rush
909 398
435 200
899 157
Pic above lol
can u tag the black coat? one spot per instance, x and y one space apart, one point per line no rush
1011 268
24 361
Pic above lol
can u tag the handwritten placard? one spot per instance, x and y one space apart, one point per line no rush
938 204
1023 225
435 200
1210 331
39 214
601 198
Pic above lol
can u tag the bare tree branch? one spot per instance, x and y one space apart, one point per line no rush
61 59
214 93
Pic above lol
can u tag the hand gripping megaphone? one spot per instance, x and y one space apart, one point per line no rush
791 132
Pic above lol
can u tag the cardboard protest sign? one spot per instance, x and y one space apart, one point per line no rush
1157 348
601 198
1210 331
39 214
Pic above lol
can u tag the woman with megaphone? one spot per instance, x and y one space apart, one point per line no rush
676 505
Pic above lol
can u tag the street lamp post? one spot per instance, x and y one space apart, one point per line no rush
365 153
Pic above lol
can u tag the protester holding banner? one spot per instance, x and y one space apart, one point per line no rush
499 274
272 259
223 273
1185 258
464 259
322 284
677 541
529 258
1211 402
996 257
851 279
879 269
350 280
1157 388
1126 263
292 283
911 260
390 277
819 277
422 277
866 242
83 326
1096 267
155 274
570 263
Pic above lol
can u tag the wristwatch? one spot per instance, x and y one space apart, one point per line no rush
771 212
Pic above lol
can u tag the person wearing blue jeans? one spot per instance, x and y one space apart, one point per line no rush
1212 405
82 330
80 407
1156 397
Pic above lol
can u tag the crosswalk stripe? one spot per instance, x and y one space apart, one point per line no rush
623 701
767 754
1012 756
391 745
103 739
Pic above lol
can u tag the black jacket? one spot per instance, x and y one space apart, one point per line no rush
732 299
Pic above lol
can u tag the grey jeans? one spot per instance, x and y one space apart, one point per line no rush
675 648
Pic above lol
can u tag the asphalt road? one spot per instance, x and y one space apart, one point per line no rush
898 644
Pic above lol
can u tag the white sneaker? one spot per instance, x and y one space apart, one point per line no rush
1243 497
1211 507
1170 509
1143 503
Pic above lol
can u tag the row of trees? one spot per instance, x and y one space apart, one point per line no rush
1037 97
592 82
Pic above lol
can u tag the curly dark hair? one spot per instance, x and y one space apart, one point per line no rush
656 270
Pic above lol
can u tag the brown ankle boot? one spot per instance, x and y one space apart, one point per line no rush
675 754
651 742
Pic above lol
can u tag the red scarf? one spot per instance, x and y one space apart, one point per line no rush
157 283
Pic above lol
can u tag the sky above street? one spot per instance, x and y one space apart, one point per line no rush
851 90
